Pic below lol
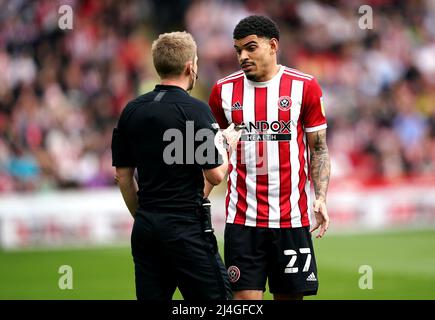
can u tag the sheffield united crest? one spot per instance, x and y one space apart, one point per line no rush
284 103
233 273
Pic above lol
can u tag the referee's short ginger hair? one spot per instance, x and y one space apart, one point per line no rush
171 51
261 26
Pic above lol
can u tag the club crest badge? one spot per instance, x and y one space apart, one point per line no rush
233 273
284 103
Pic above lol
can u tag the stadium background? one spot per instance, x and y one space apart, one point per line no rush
61 92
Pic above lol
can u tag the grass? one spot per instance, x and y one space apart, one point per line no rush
403 265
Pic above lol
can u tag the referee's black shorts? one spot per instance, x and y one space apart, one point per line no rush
170 250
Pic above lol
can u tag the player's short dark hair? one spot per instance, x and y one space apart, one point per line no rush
260 26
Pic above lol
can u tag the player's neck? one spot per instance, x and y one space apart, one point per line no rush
270 74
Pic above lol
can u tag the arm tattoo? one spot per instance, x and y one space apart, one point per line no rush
320 165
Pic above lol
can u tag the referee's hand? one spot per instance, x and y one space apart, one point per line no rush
322 218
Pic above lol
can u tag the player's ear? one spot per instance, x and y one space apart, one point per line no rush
273 46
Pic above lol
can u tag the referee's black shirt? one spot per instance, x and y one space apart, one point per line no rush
138 142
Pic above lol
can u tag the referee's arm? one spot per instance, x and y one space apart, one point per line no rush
123 161
128 186
215 175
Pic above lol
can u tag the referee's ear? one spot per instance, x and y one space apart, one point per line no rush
189 68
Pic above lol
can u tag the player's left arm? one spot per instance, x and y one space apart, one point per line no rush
314 121
128 186
320 168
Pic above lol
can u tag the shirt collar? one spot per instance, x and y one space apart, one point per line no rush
160 87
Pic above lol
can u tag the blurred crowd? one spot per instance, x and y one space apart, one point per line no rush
61 91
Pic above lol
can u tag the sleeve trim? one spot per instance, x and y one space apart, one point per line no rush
316 128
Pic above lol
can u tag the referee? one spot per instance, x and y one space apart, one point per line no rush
169 137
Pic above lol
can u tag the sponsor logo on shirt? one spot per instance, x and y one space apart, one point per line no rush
236 106
267 131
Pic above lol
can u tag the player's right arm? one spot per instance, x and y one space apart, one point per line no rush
229 133
215 103
215 176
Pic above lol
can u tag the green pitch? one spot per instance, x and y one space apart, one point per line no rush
403 265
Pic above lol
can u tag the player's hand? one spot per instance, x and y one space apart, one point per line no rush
232 136
322 218
219 142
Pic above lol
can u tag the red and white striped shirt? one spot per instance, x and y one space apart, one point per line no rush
268 181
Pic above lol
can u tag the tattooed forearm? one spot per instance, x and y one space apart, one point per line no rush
320 164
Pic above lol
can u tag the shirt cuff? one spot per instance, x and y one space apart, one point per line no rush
316 128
